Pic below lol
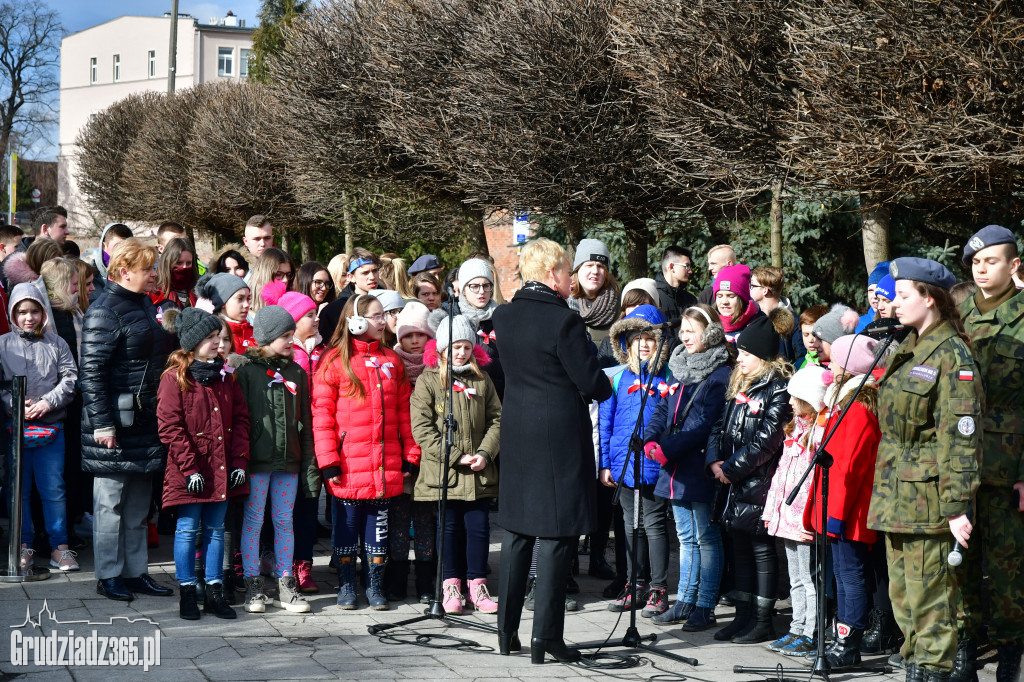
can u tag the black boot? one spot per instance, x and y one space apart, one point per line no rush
846 652
760 628
743 617
426 572
188 609
508 642
883 635
396 580
1008 669
229 587
215 603
936 676
914 673
965 664
555 647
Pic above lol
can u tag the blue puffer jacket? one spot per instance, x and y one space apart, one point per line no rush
684 477
618 414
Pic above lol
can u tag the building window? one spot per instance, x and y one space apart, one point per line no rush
93 70
225 61
243 63
152 63
117 68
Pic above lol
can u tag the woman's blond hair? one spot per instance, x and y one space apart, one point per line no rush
131 254
337 269
57 275
738 383
539 257
443 364
263 273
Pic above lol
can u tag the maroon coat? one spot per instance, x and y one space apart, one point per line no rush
206 430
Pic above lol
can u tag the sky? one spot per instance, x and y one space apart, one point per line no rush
77 15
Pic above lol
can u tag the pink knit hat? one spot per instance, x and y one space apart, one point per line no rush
734 279
413 318
854 353
297 305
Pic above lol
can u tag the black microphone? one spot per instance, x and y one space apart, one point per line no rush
885 327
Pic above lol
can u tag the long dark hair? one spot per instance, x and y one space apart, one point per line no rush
946 308
304 280
221 264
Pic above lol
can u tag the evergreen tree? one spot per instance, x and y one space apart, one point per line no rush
275 16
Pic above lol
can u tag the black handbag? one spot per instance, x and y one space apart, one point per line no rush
127 403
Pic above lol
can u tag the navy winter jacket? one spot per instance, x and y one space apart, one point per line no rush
684 476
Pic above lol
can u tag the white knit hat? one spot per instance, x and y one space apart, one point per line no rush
413 318
646 285
473 268
809 385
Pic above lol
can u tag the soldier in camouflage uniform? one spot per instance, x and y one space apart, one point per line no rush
994 319
929 402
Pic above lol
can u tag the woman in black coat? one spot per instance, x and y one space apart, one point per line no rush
124 350
547 454
743 453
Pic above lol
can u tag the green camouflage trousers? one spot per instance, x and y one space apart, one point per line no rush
922 588
997 543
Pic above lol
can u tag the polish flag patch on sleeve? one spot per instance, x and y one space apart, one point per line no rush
966 375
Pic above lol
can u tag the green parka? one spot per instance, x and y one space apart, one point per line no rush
929 406
280 422
479 418
997 342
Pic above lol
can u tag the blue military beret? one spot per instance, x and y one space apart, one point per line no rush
880 271
990 235
886 288
921 270
426 262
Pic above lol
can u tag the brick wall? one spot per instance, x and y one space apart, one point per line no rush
498 228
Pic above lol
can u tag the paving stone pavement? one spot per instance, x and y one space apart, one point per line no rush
330 644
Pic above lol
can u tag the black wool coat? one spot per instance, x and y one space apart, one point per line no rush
547 485
124 350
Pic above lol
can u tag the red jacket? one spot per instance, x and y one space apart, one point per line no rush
206 430
241 336
364 441
854 448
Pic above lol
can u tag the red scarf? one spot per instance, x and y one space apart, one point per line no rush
729 326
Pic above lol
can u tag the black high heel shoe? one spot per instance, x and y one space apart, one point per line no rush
555 647
508 642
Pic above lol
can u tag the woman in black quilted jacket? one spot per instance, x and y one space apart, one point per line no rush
124 350
743 452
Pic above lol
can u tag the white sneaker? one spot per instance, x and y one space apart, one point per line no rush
64 559
288 596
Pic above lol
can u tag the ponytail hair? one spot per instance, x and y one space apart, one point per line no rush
946 307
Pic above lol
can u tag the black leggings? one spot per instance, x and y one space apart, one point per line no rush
755 564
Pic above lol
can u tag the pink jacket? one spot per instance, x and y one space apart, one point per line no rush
783 520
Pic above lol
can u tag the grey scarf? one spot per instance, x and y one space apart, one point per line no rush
693 368
600 313
477 315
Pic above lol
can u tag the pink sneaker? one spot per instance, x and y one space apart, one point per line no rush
480 597
451 597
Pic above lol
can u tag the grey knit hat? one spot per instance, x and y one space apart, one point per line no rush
271 322
473 268
194 325
839 321
389 299
462 330
591 250
219 288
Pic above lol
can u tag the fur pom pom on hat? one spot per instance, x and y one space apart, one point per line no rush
839 321
297 305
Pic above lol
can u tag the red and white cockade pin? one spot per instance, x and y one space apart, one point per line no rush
486 338
460 387
755 405
376 364
278 379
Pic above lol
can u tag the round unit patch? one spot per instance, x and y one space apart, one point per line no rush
966 426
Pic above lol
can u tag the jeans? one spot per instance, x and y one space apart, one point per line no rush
120 510
211 514
280 487
358 521
467 532
801 588
653 512
700 553
756 564
45 465
851 560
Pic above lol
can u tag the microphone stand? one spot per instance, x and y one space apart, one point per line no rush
436 609
633 639
823 461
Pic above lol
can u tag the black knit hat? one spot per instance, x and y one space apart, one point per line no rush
759 338
194 325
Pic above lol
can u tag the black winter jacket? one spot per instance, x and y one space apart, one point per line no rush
123 348
749 444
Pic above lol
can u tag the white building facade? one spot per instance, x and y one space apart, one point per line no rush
108 62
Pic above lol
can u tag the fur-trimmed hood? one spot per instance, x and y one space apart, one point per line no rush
431 358
783 321
17 271
640 319
233 246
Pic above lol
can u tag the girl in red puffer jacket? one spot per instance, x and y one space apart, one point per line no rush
363 440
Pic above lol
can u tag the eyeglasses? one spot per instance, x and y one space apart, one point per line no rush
478 288
379 318
321 284
684 266
284 276
757 286
393 314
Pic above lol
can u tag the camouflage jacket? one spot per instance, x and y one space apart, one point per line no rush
997 340
929 405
